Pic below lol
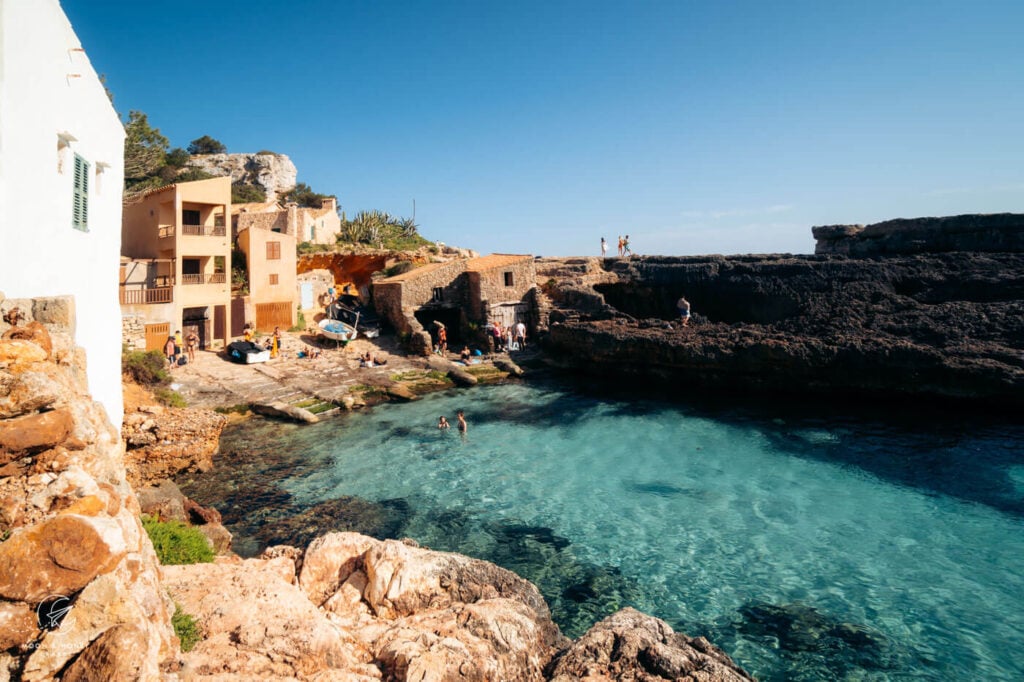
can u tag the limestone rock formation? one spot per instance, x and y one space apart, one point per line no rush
354 608
162 442
629 645
78 576
945 325
275 173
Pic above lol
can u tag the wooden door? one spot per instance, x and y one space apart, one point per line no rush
156 335
270 315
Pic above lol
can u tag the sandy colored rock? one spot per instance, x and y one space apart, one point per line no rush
19 354
629 645
33 332
18 625
58 557
329 561
110 658
256 625
31 390
494 639
36 431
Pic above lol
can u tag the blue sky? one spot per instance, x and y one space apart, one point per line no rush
539 127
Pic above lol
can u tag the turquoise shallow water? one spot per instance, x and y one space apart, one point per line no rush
808 545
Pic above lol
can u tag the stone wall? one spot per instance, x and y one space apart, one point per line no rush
997 232
79 581
133 331
488 287
397 298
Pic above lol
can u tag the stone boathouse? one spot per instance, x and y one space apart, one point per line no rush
465 295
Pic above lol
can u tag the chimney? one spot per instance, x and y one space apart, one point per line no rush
329 202
293 219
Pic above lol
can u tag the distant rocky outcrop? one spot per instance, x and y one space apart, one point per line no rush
994 233
947 325
275 173
80 597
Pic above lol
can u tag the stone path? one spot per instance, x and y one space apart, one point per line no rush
214 381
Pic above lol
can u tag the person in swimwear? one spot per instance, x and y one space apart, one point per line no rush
442 423
463 427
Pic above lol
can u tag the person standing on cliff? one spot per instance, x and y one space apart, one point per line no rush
625 247
604 248
684 311
620 246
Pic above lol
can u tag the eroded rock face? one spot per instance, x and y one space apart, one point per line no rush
941 325
629 645
162 442
71 526
275 173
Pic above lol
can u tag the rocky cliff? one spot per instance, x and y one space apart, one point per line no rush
275 173
995 233
79 581
938 325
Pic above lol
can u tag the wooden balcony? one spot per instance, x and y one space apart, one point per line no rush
215 278
141 296
204 230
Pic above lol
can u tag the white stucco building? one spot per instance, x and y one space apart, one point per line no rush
61 179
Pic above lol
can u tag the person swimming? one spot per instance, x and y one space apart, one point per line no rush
463 427
442 423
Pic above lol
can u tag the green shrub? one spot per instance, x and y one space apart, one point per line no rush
148 368
176 543
300 322
168 397
185 628
311 247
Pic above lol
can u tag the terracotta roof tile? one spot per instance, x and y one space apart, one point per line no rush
415 273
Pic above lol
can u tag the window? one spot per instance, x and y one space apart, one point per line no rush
273 279
508 279
273 250
190 217
80 195
218 264
438 295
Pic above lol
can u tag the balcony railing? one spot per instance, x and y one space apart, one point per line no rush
215 278
137 296
204 230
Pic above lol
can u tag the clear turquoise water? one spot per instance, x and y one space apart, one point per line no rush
808 545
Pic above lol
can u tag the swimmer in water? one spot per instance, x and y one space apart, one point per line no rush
462 421
442 423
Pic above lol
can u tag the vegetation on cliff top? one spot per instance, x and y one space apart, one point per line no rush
149 369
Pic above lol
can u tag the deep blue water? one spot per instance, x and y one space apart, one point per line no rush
810 544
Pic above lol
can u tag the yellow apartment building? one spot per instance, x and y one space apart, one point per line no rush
176 259
273 283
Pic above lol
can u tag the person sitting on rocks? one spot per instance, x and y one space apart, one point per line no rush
684 311
464 354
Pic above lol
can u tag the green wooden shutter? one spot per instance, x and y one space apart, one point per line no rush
80 199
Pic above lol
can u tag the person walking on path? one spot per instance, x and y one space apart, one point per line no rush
625 247
684 311
604 248
191 342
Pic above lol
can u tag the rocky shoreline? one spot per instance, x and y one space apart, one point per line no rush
347 607
936 326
